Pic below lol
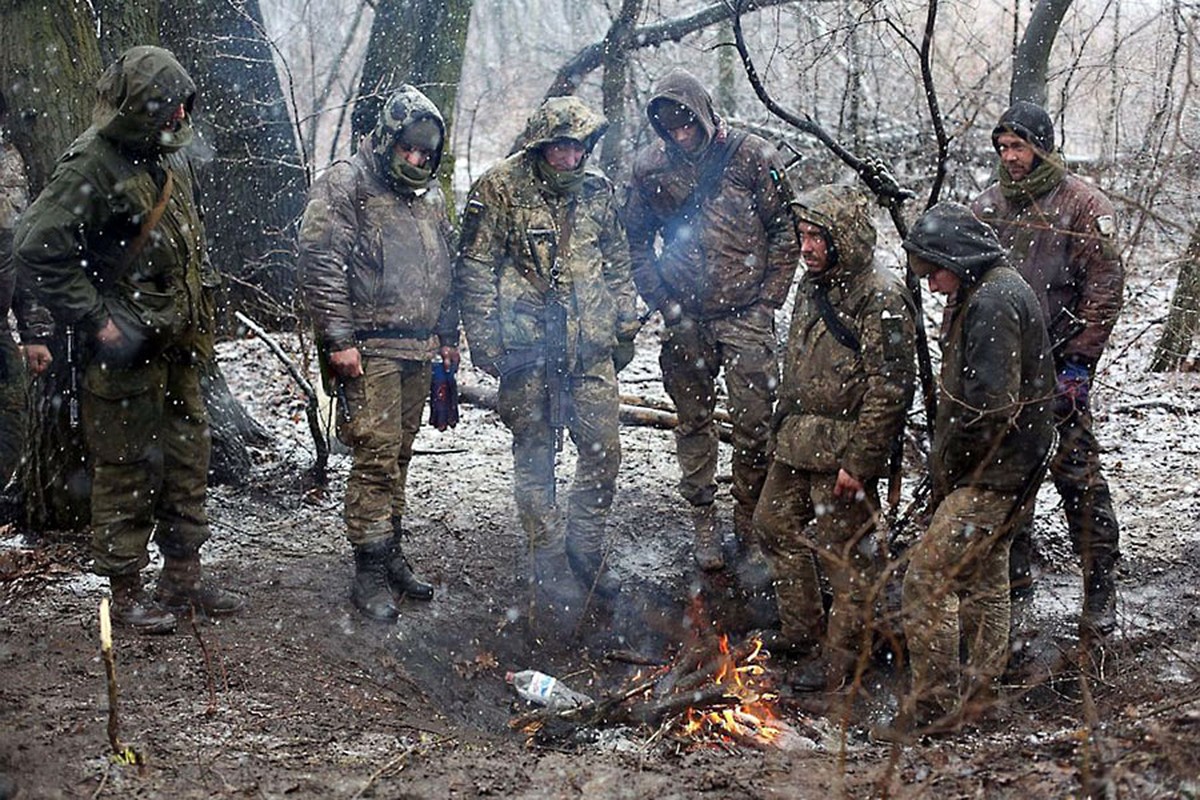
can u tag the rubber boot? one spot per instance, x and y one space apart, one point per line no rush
707 547
182 587
371 592
404 581
1099 617
133 610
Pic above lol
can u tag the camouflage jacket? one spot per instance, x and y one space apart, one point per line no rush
994 423
74 240
375 262
840 408
742 250
33 321
1063 243
513 226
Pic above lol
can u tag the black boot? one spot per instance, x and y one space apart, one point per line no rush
1020 564
1099 617
403 579
133 610
591 567
182 587
370 591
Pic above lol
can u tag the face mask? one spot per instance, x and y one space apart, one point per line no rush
181 137
566 182
405 174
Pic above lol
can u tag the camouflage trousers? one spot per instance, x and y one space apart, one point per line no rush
1087 501
956 590
693 354
147 431
12 407
385 406
592 422
838 540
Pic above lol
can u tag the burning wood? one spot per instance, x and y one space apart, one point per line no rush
711 693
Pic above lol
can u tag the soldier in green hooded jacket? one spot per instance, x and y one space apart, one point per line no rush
549 307
114 246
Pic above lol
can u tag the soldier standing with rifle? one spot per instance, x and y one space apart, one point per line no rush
115 247
1060 232
549 307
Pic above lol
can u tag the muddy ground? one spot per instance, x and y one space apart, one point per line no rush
301 697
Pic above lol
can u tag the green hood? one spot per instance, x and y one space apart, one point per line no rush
844 213
136 96
406 106
564 118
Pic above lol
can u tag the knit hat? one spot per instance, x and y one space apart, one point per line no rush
1030 122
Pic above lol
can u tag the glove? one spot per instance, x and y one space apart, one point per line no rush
443 397
623 354
1071 394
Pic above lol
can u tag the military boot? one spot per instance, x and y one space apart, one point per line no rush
133 610
591 567
1099 617
371 592
182 586
554 580
401 575
707 546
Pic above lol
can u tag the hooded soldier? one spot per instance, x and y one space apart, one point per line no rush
990 441
550 308
714 250
1060 232
375 256
848 379
114 246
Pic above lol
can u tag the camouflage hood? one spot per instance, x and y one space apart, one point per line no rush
137 95
844 213
406 106
683 88
564 118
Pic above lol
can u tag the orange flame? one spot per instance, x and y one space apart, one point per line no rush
753 718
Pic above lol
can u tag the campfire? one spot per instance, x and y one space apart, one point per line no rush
712 693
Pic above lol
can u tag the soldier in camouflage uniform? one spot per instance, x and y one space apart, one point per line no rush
847 382
33 322
549 306
718 199
375 257
115 248
990 443
1060 232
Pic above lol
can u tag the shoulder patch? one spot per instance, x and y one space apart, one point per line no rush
1106 225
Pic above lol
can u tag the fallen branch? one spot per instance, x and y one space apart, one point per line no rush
311 404
121 754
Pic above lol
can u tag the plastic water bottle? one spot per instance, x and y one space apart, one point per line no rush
545 690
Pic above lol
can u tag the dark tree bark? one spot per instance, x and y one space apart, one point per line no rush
124 24
617 46
419 42
1032 56
254 185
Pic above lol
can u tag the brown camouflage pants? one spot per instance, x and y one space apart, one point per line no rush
693 354
147 431
791 499
956 588
593 424
385 405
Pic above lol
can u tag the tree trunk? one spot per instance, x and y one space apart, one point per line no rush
419 42
1184 317
253 189
616 67
1033 53
124 24
231 427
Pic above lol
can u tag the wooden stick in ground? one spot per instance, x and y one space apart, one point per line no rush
110 674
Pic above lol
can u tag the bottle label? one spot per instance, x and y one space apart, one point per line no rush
542 685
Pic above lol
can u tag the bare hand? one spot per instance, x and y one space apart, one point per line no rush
346 363
450 357
848 486
37 357
110 335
